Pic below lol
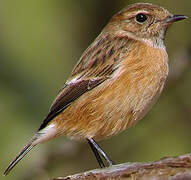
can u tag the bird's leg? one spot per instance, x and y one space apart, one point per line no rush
100 151
96 153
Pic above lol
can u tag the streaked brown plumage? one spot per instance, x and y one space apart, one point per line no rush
115 83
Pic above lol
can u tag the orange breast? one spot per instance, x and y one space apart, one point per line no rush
119 102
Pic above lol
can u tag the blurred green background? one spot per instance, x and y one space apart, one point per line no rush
40 42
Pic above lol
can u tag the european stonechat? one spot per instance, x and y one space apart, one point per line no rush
115 83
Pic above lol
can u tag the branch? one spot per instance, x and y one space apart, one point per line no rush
176 168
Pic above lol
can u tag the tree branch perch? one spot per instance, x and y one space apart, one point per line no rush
175 168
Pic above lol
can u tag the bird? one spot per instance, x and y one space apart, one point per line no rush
116 81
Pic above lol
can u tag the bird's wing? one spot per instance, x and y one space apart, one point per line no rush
96 65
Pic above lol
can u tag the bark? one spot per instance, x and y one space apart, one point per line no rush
175 168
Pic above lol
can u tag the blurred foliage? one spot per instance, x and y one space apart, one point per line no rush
40 42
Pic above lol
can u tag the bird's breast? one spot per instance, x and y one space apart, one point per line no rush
144 72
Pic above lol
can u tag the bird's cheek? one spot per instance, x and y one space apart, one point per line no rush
131 27
154 30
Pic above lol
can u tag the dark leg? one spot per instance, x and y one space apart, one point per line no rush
101 152
96 154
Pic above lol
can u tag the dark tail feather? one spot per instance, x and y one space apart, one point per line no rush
25 150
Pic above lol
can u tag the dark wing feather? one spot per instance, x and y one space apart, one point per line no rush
96 65
68 95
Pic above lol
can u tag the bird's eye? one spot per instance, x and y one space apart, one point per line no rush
140 18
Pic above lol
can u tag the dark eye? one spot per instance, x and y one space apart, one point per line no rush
141 17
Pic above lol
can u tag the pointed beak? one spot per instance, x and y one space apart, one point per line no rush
174 18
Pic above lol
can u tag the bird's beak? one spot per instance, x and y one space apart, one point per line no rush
174 18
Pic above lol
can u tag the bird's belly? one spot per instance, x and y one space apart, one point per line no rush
126 105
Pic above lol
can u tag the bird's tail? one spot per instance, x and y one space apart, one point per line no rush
24 151
41 136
